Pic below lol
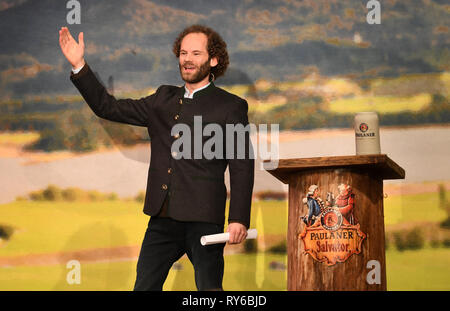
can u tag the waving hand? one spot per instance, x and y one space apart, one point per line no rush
73 51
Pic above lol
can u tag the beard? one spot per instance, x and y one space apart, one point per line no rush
201 73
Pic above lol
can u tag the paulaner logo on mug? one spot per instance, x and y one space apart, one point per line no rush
363 127
367 133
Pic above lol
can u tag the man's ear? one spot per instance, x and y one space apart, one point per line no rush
213 62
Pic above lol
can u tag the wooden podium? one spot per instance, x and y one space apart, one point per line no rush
335 238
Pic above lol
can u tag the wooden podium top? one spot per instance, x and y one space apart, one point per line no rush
380 164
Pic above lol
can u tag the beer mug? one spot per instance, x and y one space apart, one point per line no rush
367 133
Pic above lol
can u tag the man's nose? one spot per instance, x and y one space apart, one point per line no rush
187 57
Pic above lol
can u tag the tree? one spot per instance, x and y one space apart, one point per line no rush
445 205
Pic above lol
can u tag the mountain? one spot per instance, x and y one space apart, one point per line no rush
277 40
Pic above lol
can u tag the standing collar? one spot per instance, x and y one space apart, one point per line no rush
187 95
198 92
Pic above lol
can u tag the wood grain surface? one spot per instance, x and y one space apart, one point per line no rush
365 175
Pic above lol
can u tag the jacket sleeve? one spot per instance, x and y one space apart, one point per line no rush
106 106
241 166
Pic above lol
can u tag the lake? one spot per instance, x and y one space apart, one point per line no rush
423 152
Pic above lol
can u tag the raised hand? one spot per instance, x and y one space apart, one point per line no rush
73 51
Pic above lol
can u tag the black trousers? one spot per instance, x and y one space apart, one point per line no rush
166 240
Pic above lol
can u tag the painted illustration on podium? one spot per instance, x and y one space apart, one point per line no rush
331 233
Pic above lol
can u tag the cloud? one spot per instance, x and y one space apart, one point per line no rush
264 17
20 67
7 4
263 38
92 48
146 17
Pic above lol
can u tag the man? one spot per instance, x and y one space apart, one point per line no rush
185 196
314 204
345 202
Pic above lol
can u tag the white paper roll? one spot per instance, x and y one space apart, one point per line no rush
224 237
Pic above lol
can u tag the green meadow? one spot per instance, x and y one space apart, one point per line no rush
17 138
58 227
380 104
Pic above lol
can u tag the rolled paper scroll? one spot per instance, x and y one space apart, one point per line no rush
224 237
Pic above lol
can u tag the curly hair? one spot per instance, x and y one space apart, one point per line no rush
216 47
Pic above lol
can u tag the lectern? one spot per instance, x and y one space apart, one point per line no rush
335 238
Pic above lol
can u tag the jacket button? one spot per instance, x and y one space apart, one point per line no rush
174 154
176 117
164 187
176 136
181 101
169 170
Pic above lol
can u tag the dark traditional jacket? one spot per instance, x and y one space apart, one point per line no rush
195 187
